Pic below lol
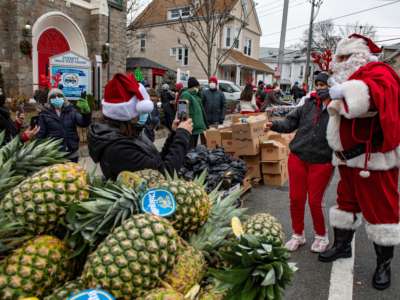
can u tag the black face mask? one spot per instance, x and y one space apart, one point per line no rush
323 94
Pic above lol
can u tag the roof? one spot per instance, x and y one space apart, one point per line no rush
133 62
392 47
249 62
157 11
270 55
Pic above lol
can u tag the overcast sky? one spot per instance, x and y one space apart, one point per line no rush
270 15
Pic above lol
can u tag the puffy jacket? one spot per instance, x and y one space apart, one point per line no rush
63 127
311 122
7 124
196 111
116 152
214 106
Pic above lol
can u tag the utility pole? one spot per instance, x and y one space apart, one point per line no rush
283 37
314 3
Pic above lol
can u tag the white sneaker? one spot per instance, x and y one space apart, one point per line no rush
295 242
320 244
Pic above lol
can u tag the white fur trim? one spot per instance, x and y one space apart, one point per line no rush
333 132
384 234
378 161
343 219
356 96
348 46
125 111
145 105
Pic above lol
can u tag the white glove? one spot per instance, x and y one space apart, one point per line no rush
336 92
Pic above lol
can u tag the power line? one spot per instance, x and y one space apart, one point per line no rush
387 40
337 18
380 27
279 11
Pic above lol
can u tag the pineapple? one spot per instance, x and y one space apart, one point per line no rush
188 270
67 290
162 294
35 268
133 258
40 201
192 205
264 224
143 179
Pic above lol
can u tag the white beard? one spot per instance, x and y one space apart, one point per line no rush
343 70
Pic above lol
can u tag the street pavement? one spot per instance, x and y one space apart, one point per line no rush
348 279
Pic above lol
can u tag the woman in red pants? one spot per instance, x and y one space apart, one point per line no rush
310 168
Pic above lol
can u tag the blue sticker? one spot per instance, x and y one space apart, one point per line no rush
159 202
92 295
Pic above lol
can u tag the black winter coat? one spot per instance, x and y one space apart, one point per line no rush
117 152
7 124
311 122
214 106
63 127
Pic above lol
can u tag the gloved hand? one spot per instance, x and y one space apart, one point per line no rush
83 106
336 92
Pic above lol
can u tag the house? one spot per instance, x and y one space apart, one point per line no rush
391 55
33 31
152 35
293 66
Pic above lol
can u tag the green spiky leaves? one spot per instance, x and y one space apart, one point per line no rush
259 270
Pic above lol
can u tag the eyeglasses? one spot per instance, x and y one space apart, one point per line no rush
56 96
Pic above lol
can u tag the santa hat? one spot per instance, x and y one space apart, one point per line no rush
124 98
213 79
357 43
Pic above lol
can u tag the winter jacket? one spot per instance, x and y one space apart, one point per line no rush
63 127
196 111
7 124
310 121
297 92
214 106
116 152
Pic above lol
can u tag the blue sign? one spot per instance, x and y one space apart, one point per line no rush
74 81
159 202
92 295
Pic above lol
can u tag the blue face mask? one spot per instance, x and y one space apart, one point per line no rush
143 118
57 102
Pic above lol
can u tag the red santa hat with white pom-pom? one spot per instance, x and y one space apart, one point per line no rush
357 43
125 98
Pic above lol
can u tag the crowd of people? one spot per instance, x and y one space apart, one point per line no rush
350 121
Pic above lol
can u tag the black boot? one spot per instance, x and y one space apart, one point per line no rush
341 247
384 255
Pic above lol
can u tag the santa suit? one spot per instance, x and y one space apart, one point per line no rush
364 130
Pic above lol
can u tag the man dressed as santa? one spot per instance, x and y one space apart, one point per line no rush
364 132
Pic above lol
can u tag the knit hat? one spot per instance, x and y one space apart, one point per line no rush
124 98
213 79
165 86
357 43
179 86
53 92
192 82
321 77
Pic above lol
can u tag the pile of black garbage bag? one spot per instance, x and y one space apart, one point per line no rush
221 167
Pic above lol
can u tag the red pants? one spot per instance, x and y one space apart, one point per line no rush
376 197
312 180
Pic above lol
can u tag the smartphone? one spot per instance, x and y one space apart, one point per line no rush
34 122
183 110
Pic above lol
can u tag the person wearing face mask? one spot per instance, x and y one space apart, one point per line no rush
59 120
196 110
119 142
214 103
310 168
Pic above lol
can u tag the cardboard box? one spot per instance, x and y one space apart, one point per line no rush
284 139
274 167
273 151
253 166
227 140
213 138
275 179
246 136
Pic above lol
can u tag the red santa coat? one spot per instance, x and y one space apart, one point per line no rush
369 114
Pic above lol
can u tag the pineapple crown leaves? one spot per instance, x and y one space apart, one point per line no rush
12 234
259 269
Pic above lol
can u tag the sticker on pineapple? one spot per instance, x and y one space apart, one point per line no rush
92 295
159 202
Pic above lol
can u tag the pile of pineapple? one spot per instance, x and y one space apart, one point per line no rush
63 230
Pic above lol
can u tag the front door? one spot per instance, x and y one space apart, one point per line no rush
51 42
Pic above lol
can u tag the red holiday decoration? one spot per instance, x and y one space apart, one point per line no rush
323 60
46 82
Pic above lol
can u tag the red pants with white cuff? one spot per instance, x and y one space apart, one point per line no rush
375 197
307 179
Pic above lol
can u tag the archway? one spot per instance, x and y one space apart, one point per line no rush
54 25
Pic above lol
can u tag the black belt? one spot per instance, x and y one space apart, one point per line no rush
349 154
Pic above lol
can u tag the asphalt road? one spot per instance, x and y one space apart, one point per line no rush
313 279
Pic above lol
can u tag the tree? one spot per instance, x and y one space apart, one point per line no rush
324 36
204 27
132 9
357 27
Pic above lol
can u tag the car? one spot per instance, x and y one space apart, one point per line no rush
230 90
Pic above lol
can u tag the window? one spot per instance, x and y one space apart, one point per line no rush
236 44
179 54
142 42
231 38
182 55
301 71
172 52
185 61
177 13
228 37
247 47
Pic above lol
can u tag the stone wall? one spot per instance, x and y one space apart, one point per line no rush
14 14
